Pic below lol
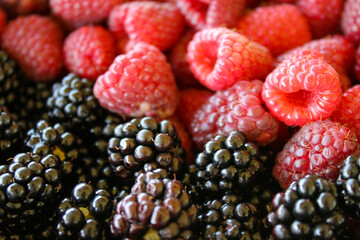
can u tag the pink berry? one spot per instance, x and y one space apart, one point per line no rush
350 21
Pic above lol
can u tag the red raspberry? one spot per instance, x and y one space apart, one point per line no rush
239 107
24 7
220 57
138 83
348 110
180 66
77 13
350 23
213 13
2 20
302 88
278 27
317 148
323 15
357 64
159 24
89 51
190 101
338 51
35 42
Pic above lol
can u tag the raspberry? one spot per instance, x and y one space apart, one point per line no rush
236 108
138 83
24 7
208 14
279 27
323 15
2 20
191 100
35 42
159 24
89 51
348 110
317 148
357 64
350 24
180 67
302 88
77 13
219 57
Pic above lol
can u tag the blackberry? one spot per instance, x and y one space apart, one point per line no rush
145 144
307 209
47 138
9 80
30 186
73 104
348 184
10 135
85 214
227 164
157 208
230 218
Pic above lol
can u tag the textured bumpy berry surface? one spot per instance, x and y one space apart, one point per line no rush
302 88
308 209
139 83
348 110
208 14
220 57
29 185
35 42
349 21
10 135
89 51
157 208
85 214
82 12
279 27
159 24
317 148
237 108
144 144
323 15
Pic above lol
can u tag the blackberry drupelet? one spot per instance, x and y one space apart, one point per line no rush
10 135
30 187
348 184
145 144
73 104
307 209
47 138
157 208
227 164
85 214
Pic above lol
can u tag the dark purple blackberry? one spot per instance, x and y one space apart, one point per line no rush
227 164
143 145
30 186
10 135
157 208
307 209
9 80
47 138
73 104
348 184
230 218
85 214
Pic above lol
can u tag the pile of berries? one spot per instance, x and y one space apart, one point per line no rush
179 119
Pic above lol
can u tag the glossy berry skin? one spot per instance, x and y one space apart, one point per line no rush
317 148
85 213
44 39
89 51
307 209
349 20
219 58
158 24
237 108
302 88
145 144
158 206
11 135
29 185
138 83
